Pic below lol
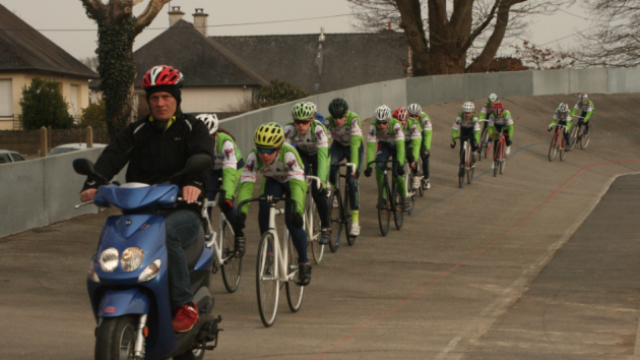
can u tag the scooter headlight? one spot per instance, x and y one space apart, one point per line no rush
151 271
132 259
91 274
109 259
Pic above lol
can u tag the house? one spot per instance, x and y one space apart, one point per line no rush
224 73
24 54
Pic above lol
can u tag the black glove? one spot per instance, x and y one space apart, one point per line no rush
226 205
400 170
509 142
549 128
297 221
240 220
427 154
322 191
453 144
368 171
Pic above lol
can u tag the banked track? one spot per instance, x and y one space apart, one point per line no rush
427 292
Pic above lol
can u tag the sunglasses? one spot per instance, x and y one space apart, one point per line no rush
266 151
299 122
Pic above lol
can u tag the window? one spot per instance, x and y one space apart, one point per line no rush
6 97
17 157
74 101
4 158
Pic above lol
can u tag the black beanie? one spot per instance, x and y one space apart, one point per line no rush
171 89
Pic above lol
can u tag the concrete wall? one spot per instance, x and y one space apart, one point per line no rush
41 192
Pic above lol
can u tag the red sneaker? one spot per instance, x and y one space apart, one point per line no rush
186 317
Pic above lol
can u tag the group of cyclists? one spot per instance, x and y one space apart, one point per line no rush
159 145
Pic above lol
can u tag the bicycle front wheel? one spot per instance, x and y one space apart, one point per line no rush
421 173
553 147
398 211
584 138
267 281
503 163
231 264
573 138
347 216
335 217
317 250
384 208
294 291
563 153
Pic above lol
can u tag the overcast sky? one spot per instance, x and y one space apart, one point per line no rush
70 15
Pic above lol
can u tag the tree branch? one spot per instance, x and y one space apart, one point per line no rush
95 9
475 33
147 16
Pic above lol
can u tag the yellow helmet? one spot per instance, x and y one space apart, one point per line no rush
269 136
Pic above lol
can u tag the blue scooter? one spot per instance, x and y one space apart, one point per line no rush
128 280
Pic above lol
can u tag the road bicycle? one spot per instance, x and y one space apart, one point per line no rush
485 143
275 265
340 216
225 257
500 155
408 183
578 133
389 200
557 143
420 175
312 221
466 168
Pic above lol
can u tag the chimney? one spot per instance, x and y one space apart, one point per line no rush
200 21
175 15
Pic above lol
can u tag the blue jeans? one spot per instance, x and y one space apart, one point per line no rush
337 153
182 229
299 236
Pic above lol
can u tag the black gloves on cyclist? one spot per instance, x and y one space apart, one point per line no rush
296 221
226 205
427 154
238 228
368 171
509 142
453 144
322 191
400 170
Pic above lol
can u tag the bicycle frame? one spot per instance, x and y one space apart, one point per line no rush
559 136
280 251
499 152
212 236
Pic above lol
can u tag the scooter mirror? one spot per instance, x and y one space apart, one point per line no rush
196 163
83 167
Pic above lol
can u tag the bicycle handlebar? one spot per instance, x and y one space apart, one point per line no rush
348 164
270 199
317 179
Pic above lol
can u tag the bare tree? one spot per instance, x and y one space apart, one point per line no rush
615 37
450 30
117 30
91 62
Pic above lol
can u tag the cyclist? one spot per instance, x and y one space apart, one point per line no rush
500 121
387 137
309 137
156 148
283 174
415 112
487 110
562 117
467 123
317 115
228 164
586 106
413 140
346 131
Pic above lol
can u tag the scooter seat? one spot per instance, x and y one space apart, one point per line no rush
194 250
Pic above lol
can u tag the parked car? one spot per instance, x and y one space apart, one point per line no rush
72 147
9 156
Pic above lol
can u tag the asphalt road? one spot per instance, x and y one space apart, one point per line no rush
492 270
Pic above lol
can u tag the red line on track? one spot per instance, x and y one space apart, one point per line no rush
487 246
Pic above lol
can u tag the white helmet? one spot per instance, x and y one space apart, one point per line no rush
383 114
468 107
414 109
211 120
313 107
563 108
493 98
583 96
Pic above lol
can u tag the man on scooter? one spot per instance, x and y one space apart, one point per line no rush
156 148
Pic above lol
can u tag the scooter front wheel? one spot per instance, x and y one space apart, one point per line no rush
116 338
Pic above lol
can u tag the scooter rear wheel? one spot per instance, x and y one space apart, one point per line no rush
116 338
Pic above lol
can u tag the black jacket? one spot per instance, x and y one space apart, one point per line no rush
154 155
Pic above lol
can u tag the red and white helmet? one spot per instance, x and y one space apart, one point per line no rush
162 75
401 114
498 108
